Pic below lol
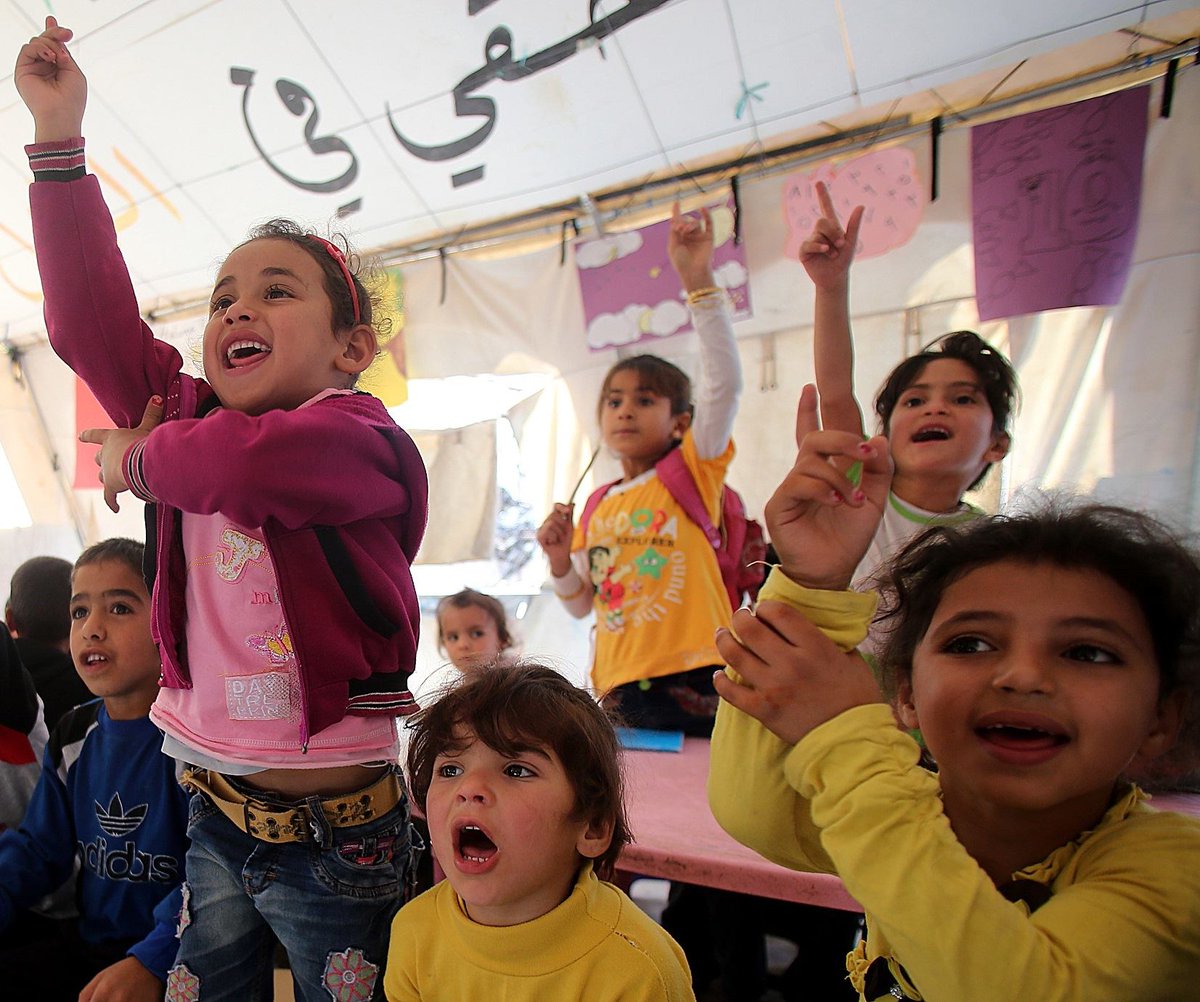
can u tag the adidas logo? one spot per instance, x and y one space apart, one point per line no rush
117 821
128 863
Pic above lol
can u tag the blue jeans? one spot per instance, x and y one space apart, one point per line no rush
330 903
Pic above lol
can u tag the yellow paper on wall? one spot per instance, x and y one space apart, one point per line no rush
387 378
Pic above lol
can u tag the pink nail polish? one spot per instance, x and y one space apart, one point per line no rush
859 496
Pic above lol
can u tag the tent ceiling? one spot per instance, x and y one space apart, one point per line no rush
412 119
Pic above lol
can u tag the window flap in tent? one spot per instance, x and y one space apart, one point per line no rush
462 493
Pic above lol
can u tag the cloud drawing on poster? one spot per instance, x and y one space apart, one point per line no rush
635 322
731 274
604 250
620 274
884 181
1055 197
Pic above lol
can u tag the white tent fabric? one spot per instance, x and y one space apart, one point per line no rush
1110 394
191 152
410 119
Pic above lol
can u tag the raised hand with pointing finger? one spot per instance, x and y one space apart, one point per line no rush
829 250
690 248
51 84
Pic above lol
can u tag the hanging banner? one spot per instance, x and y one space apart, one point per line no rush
1055 197
885 182
631 293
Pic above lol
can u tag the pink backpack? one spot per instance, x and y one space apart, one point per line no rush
729 541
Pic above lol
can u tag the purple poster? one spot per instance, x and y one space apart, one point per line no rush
1055 198
631 293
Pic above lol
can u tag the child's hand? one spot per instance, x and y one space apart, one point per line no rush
52 86
793 676
114 443
819 522
125 981
829 250
554 536
690 248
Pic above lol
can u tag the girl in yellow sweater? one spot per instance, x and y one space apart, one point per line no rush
1041 655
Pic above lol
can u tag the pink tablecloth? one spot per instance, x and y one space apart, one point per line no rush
1184 803
677 838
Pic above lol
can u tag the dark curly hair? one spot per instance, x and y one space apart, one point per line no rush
1158 568
996 378
513 706
334 281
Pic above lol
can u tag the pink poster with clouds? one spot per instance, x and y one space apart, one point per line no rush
632 294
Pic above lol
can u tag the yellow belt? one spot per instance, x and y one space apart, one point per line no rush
294 822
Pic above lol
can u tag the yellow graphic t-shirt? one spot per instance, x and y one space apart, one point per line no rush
658 595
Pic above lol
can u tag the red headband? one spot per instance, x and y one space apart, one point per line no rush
340 258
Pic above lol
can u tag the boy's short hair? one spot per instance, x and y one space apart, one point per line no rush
996 377
39 600
468 598
514 705
127 551
1135 551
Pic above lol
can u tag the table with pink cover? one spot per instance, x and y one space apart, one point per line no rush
1182 803
677 838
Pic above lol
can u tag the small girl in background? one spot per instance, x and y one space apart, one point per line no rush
288 508
472 629
647 570
945 410
519 774
1041 655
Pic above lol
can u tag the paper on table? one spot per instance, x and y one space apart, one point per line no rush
643 739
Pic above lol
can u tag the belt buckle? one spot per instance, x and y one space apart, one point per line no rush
251 827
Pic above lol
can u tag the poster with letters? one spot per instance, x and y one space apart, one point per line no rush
1055 198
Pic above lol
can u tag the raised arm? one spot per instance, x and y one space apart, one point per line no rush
690 248
827 255
91 312
792 670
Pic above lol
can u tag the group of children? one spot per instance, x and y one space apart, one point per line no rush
1036 657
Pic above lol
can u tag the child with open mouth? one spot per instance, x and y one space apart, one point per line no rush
518 772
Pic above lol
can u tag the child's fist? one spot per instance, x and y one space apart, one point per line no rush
50 83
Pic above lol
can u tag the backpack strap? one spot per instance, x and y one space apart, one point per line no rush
590 505
681 485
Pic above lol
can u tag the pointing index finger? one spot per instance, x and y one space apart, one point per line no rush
826 201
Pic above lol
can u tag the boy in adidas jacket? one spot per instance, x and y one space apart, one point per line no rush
107 807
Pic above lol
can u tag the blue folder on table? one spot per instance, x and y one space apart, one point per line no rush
642 739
